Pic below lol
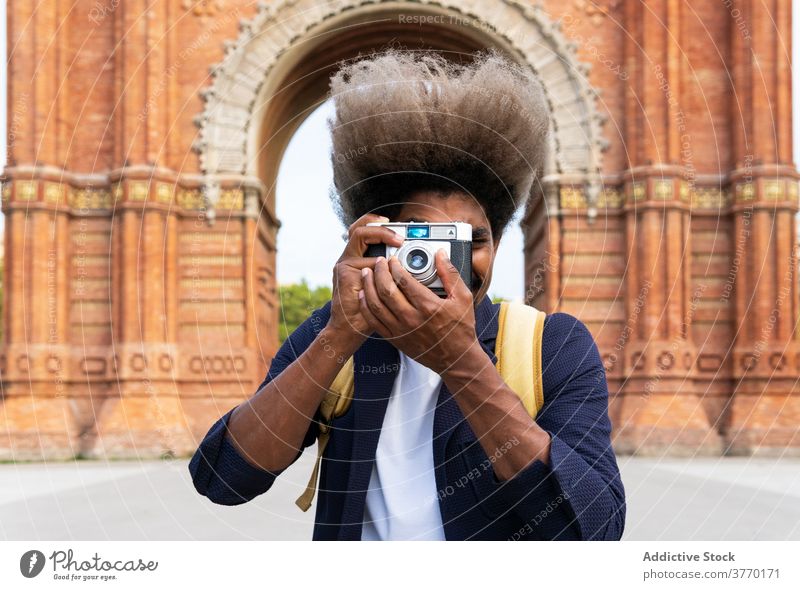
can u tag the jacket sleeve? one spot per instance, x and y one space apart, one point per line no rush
218 470
579 495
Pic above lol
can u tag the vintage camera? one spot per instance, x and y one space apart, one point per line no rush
422 240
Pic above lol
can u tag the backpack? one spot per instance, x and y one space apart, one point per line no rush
518 349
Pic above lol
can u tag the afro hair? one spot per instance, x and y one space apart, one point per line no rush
408 121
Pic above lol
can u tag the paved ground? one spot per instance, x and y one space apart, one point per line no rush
668 499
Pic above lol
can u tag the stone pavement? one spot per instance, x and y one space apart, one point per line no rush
668 499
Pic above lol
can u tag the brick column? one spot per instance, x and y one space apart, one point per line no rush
36 416
659 411
764 414
142 414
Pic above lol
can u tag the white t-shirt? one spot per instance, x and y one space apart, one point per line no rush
402 499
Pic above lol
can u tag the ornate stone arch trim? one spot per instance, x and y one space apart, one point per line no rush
248 75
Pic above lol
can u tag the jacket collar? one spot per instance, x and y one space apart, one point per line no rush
376 365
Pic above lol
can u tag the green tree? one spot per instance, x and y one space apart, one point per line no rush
298 300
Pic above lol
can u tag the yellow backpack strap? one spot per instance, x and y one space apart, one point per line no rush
519 352
334 404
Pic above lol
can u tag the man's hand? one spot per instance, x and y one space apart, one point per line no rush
440 334
346 322
433 331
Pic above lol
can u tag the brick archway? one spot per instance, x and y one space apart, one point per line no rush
276 72
279 65
131 323
277 69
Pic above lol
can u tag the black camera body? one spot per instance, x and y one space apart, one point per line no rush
422 240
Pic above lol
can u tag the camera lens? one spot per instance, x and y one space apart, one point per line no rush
417 259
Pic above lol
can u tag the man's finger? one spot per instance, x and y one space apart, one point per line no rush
390 293
371 320
451 279
376 306
414 291
364 235
358 262
365 219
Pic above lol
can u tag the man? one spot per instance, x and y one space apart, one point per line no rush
435 445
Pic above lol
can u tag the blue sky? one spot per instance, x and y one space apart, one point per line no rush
304 206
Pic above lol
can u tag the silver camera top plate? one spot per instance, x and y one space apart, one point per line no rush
424 230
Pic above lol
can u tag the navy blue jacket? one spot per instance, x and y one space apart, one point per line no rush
578 496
